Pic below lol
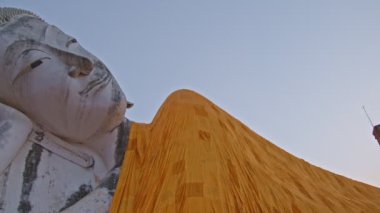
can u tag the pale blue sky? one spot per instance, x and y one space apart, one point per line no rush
297 72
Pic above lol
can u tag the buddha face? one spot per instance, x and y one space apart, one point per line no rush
47 75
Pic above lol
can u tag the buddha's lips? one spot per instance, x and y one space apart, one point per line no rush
98 83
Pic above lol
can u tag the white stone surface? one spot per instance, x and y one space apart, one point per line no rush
62 127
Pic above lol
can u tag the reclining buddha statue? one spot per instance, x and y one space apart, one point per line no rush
65 145
62 128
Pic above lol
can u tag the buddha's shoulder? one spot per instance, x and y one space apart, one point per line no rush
40 178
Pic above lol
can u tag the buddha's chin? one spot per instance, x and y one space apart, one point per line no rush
117 115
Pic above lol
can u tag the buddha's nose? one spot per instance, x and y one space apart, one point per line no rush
82 66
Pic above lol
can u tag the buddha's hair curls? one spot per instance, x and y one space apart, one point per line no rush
7 13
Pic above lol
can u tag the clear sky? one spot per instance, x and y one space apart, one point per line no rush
296 72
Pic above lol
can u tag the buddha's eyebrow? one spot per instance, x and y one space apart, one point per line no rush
21 46
17 47
25 52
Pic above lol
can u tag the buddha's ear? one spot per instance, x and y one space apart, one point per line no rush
129 105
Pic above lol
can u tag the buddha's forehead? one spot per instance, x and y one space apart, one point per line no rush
31 28
24 28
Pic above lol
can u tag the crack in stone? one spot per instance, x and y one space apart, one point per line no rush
122 142
3 186
83 190
29 176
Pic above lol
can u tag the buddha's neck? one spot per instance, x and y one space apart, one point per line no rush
112 146
100 154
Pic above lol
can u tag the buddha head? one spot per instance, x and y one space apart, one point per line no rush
48 76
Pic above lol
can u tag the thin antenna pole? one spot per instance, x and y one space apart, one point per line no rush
369 119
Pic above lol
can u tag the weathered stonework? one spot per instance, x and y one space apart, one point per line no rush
62 128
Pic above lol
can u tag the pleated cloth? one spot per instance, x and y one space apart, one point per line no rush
194 157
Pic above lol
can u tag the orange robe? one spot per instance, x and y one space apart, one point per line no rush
194 157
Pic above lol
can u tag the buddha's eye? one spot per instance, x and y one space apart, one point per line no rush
36 64
30 67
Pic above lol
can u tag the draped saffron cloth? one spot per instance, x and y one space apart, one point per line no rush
194 157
